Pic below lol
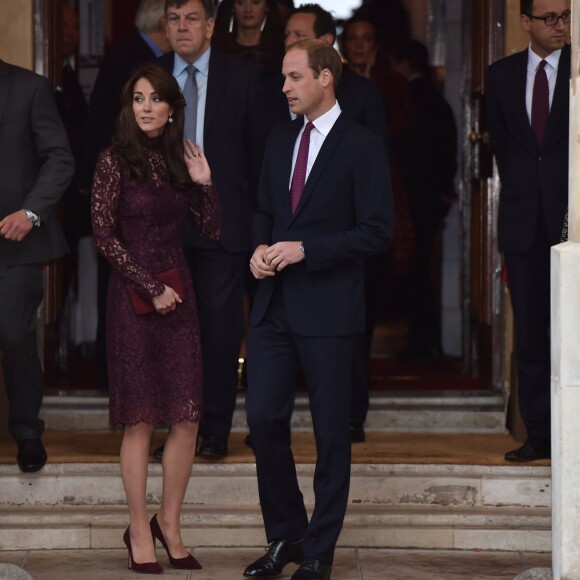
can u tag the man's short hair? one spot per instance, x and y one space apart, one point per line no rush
320 56
323 20
149 15
207 6
526 7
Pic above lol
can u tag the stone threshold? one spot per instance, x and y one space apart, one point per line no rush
441 412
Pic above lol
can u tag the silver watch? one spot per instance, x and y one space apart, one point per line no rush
32 217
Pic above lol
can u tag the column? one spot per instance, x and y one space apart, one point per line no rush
565 334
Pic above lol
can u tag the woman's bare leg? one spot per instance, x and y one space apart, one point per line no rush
177 461
134 465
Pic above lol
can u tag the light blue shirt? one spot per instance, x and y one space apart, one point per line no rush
179 72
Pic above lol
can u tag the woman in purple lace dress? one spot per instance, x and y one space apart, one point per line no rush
145 186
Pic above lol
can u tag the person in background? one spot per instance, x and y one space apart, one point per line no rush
146 42
285 8
73 109
36 167
429 164
527 101
251 29
145 186
360 100
309 305
224 114
361 47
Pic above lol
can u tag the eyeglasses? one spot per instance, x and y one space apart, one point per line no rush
552 19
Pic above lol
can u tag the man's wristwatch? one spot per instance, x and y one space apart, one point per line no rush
301 247
32 218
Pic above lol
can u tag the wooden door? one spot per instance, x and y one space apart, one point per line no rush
482 285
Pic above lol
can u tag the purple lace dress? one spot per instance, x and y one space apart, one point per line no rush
154 360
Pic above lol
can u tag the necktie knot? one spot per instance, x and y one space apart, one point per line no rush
191 70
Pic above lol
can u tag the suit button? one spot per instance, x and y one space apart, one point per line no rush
288 231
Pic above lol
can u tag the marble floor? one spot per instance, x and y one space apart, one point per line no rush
228 564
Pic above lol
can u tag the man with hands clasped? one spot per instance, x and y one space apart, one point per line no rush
324 203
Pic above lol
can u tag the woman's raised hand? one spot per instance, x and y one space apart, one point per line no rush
196 162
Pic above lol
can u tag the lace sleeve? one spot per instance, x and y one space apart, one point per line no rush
205 211
105 196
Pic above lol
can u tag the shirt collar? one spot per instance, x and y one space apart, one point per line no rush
201 64
552 59
325 122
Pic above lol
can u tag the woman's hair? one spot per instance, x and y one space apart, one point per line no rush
128 139
360 17
271 39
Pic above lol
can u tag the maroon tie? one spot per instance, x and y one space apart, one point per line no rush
540 103
299 176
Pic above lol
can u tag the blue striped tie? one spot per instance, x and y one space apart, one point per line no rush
190 95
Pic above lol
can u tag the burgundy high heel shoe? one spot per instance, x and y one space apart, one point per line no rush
147 567
186 563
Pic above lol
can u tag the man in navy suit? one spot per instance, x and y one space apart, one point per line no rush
309 304
360 100
527 106
228 130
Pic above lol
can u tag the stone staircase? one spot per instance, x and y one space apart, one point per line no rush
505 507
397 506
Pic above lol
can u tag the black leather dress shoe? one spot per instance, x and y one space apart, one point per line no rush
158 453
278 555
31 455
312 569
531 450
357 432
213 447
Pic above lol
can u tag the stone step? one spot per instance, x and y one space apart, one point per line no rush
443 412
396 505
434 527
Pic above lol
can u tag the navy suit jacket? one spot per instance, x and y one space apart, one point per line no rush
36 164
231 142
345 213
533 177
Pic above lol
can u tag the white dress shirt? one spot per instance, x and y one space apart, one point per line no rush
322 127
551 68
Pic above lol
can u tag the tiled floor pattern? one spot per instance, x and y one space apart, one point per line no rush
228 564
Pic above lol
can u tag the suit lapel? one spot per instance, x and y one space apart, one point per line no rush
215 85
285 154
322 160
4 86
521 79
559 100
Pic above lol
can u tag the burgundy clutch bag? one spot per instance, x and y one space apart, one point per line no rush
170 278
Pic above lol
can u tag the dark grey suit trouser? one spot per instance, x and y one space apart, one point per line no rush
20 295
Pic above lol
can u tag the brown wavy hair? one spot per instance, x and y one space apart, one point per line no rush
129 140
